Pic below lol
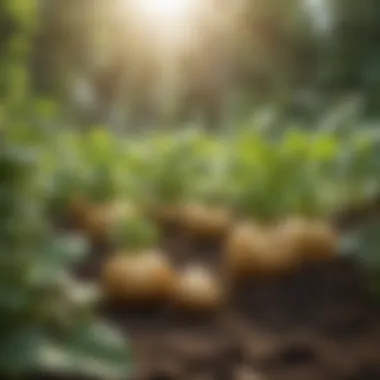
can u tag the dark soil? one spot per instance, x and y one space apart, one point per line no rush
319 324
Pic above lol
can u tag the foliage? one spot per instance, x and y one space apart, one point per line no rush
46 322
260 173
264 175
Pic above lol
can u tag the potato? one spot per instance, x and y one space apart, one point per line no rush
165 214
197 290
243 243
141 278
257 251
205 221
314 240
279 257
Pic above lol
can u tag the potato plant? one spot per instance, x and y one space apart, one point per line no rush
206 185
298 172
47 324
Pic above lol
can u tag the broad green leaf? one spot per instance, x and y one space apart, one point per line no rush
90 350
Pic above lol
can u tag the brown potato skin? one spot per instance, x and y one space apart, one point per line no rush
205 221
197 291
254 251
139 278
314 240
244 241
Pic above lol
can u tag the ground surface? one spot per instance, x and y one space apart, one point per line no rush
319 324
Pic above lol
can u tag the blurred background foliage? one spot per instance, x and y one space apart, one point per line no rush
300 57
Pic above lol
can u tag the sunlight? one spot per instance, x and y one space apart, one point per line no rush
163 10
166 19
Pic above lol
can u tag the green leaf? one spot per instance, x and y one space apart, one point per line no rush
135 232
92 349
56 257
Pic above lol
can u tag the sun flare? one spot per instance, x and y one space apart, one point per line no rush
167 21
163 10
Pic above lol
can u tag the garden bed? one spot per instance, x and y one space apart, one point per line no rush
317 324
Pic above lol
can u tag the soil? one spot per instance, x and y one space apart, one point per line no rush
319 324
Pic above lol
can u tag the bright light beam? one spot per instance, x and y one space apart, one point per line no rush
163 10
167 19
